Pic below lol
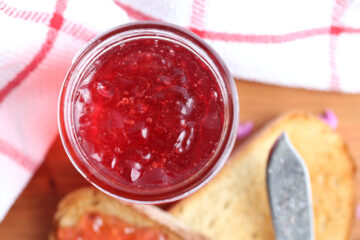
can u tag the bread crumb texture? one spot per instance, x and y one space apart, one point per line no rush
234 205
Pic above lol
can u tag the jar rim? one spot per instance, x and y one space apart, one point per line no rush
66 126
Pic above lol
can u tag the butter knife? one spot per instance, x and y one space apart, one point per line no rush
289 192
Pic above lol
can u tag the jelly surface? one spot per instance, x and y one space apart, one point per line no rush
148 113
96 226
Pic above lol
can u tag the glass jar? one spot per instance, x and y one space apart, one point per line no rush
68 118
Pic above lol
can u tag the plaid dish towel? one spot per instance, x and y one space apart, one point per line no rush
300 43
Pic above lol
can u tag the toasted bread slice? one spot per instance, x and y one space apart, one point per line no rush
86 200
234 204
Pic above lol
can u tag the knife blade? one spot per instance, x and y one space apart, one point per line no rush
289 192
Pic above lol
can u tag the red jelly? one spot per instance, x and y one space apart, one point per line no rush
98 226
149 112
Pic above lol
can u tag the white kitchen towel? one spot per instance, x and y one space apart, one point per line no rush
299 43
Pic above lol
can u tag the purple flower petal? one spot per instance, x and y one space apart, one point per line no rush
244 129
330 118
358 212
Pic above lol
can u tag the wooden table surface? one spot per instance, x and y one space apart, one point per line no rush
31 216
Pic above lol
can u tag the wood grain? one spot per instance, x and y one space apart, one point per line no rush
31 216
